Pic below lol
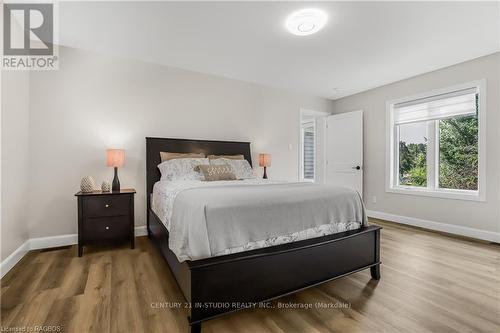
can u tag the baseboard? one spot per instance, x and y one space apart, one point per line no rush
46 243
14 258
437 226
52 241
141 231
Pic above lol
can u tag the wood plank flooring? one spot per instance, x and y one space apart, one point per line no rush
430 283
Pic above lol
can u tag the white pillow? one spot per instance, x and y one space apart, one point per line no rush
182 169
241 168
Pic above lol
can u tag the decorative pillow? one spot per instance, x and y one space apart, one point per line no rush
182 169
231 157
241 168
166 156
217 172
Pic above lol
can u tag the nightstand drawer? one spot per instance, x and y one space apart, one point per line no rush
108 228
110 205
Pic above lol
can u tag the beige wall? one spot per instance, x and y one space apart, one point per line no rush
477 215
95 102
15 168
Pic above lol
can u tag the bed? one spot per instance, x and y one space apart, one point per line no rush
219 274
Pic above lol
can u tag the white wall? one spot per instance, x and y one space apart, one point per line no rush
476 215
15 168
95 102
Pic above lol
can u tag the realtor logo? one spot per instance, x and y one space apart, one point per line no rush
28 36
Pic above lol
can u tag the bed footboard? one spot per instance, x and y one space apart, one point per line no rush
226 285
220 285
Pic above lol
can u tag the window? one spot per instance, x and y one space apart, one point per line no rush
436 144
308 147
413 154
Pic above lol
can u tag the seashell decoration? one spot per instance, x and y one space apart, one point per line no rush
106 186
87 184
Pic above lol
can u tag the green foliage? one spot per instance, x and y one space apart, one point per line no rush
412 164
458 158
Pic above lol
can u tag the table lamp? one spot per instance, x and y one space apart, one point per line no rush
264 161
115 159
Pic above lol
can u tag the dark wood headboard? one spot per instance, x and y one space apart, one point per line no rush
155 145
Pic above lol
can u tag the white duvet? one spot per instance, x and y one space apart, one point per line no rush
163 205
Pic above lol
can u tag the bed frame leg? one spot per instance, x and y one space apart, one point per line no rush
375 272
195 328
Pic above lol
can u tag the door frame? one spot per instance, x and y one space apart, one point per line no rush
315 114
341 115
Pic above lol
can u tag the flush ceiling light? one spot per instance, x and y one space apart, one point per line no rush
306 21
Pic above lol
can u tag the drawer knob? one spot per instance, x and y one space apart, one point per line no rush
107 205
107 228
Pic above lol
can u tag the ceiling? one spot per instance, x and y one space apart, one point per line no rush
364 44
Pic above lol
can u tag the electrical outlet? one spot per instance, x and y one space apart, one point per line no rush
374 199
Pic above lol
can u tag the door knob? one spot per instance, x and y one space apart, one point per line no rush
357 167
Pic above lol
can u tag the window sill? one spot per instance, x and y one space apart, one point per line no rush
445 194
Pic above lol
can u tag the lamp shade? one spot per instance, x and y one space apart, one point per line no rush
115 157
264 160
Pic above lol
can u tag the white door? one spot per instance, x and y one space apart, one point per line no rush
344 150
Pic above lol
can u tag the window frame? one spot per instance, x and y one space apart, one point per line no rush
433 189
303 125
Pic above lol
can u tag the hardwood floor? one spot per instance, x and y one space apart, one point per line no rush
430 282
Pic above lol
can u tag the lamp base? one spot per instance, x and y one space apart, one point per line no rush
265 173
116 182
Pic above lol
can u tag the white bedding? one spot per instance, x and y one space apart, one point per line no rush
165 193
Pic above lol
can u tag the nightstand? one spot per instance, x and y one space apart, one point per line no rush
105 218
